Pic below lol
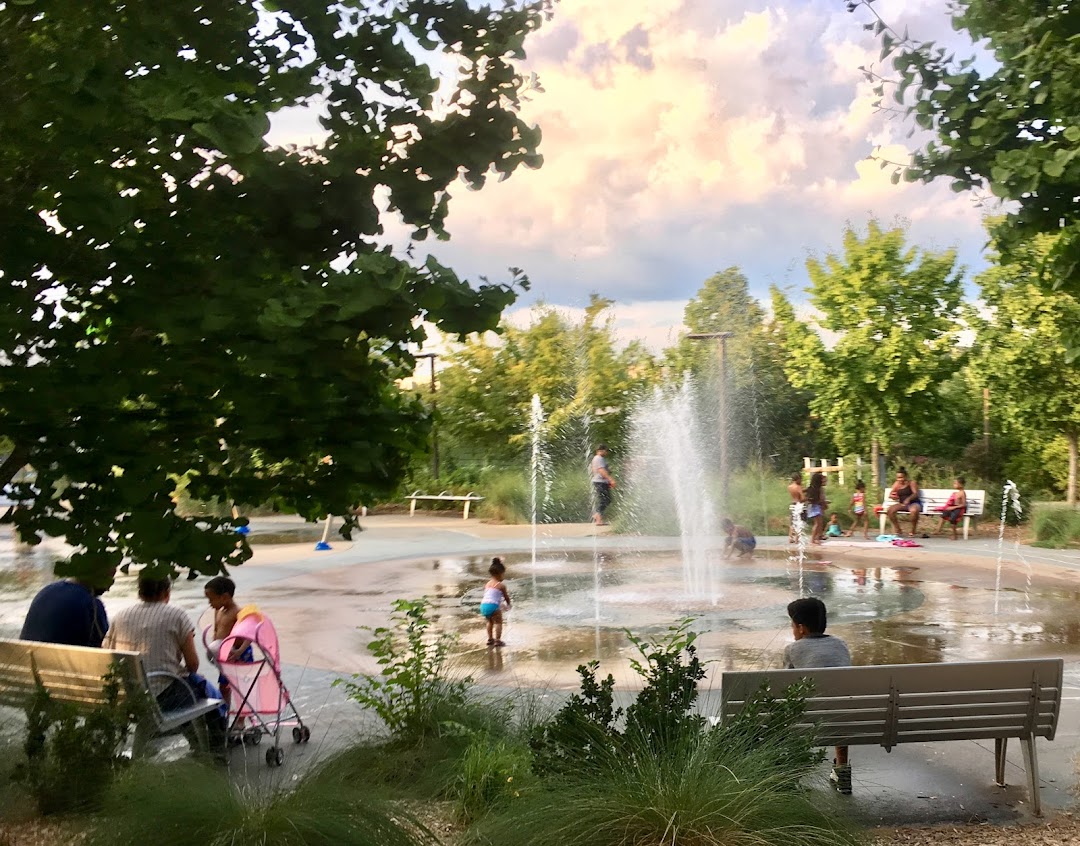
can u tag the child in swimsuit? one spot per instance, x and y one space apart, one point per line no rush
858 510
495 594
833 530
954 507
740 540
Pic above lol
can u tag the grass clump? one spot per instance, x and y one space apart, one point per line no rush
1056 528
188 804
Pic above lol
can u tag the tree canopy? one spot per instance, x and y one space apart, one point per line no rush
891 314
1010 124
181 299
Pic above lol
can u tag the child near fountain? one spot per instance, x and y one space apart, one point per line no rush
834 530
740 540
814 648
495 595
858 510
816 505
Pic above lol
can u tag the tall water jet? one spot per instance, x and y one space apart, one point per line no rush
1010 494
540 469
798 552
668 440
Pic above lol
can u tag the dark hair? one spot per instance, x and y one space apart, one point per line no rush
961 480
222 586
902 470
497 568
813 492
796 477
152 589
601 447
810 612
860 485
727 523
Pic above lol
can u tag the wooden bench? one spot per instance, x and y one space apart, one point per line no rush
917 703
445 496
75 675
933 501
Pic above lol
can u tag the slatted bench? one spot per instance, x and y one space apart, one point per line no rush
445 496
917 703
933 501
75 675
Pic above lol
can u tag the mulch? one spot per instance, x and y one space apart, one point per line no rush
1063 830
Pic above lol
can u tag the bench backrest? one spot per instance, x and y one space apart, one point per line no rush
897 703
934 499
70 674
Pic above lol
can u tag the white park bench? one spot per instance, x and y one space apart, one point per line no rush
933 501
445 496
75 675
918 703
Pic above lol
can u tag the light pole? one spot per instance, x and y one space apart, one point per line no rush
722 337
434 407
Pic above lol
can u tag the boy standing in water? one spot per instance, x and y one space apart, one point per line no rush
795 491
814 648
495 594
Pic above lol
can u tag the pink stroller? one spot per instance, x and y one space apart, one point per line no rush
260 703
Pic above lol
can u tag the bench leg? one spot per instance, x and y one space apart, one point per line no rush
1031 765
999 760
467 504
967 525
882 526
412 508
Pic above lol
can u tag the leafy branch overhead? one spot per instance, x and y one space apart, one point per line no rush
181 299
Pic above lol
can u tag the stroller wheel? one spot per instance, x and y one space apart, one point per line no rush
305 734
252 737
297 735
275 756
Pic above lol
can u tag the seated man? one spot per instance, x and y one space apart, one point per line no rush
68 612
165 637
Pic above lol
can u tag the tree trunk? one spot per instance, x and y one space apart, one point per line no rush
875 457
1070 490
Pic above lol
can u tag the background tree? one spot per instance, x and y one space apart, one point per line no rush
893 312
585 381
768 416
1020 348
1011 125
175 300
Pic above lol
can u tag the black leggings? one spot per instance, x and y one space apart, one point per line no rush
602 495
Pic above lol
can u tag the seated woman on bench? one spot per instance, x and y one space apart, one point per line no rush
906 493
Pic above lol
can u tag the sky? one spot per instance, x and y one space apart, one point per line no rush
682 137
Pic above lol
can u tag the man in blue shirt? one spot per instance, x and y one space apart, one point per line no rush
67 612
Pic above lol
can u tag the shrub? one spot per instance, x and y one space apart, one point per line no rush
187 804
411 693
490 771
71 758
1056 528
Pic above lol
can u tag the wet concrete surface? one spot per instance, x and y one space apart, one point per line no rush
929 604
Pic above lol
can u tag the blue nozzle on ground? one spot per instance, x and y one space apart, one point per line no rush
322 546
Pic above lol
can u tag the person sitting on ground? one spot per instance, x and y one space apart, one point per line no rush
495 596
813 648
164 635
740 540
954 508
834 529
905 492
69 612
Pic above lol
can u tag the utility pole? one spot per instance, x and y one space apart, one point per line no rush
721 347
434 408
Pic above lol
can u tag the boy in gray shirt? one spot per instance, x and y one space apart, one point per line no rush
814 648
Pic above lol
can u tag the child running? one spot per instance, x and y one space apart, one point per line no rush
858 510
740 540
495 594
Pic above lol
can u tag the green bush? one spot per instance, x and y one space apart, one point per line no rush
186 804
71 758
1055 527
490 771
411 694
